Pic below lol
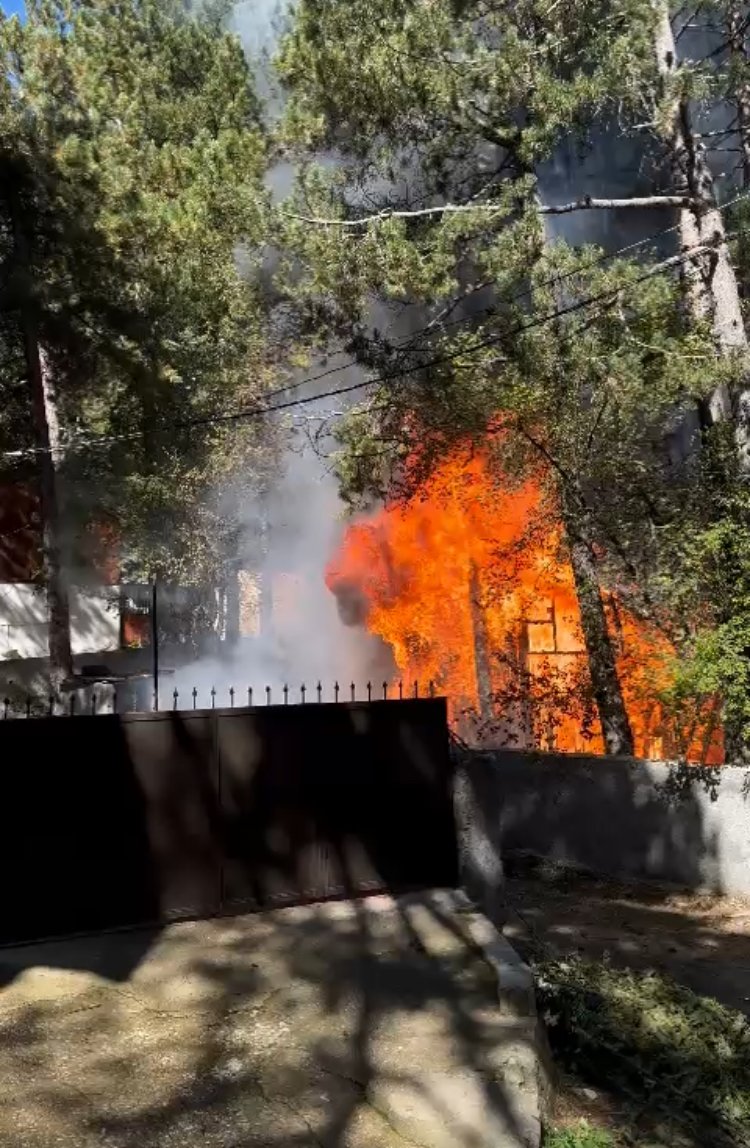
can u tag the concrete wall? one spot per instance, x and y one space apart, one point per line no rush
611 815
95 620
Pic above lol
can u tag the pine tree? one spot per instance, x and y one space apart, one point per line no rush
133 160
442 117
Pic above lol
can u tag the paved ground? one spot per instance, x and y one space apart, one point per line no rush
370 1024
702 941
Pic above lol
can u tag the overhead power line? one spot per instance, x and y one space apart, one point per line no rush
260 411
465 320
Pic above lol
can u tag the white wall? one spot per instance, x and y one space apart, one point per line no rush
622 817
95 620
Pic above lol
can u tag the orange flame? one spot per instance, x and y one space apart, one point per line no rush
476 600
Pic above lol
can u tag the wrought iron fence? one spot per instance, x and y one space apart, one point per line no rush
107 697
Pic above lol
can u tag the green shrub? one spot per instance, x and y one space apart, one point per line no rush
582 1136
652 1040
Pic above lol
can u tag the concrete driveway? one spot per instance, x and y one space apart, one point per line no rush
363 1024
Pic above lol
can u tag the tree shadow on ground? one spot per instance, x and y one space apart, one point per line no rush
337 1025
701 940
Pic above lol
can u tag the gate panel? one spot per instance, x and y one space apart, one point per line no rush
74 846
342 800
175 764
275 851
110 821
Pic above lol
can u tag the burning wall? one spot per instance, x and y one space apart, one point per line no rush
469 585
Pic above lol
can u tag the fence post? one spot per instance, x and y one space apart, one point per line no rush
155 643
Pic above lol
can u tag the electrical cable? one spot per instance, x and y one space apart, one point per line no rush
440 360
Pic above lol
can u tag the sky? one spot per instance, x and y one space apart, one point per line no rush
248 13
255 20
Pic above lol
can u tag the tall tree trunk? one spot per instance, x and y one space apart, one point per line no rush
714 291
610 704
47 438
618 736
712 288
482 666
47 443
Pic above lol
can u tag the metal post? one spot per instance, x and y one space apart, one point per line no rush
155 643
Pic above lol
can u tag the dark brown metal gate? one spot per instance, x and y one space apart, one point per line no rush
119 820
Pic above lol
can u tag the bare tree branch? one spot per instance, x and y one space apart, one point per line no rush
586 203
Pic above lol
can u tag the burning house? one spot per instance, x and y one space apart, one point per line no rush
471 588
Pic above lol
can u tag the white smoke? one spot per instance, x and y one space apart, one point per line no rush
291 532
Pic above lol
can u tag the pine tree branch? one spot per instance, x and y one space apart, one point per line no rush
586 203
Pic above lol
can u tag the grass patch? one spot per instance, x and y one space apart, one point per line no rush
679 1055
583 1136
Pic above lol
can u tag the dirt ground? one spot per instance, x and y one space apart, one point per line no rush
701 940
364 1024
